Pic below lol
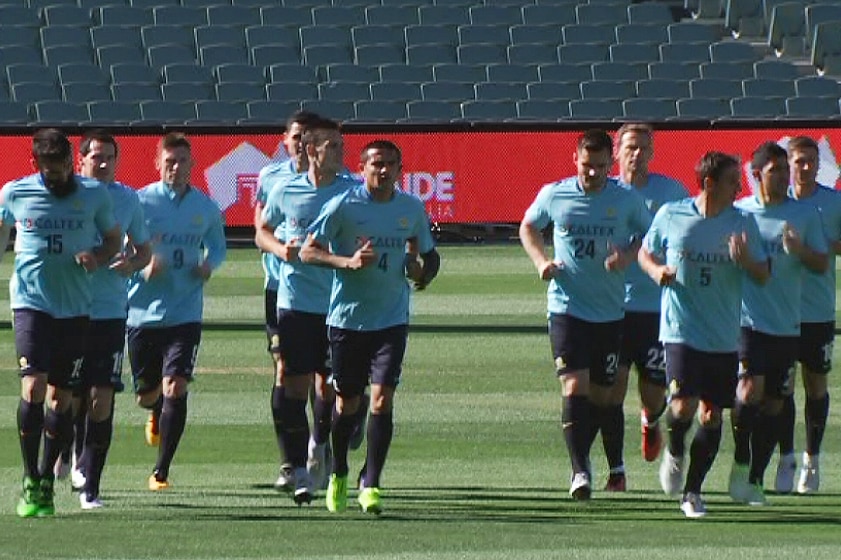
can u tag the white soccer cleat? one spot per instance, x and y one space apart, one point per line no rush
317 466
304 492
580 488
738 486
77 479
671 474
693 506
786 468
286 479
61 468
810 475
89 503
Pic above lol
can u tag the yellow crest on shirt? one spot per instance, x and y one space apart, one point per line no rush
197 220
78 204
24 363
560 363
674 387
611 212
403 223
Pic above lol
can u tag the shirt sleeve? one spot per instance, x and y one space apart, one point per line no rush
104 217
136 228
537 214
272 211
214 239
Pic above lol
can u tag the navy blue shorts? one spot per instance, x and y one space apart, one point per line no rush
155 353
641 347
578 344
103 364
304 347
48 345
360 357
709 376
272 332
816 343
772 357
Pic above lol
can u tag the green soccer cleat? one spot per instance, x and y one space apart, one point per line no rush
337 493
30 498
370 501
46 505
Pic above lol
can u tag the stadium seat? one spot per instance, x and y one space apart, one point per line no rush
19 16
449 72
733 51
405 73
113 112
185 91
344 91
291 91
535 34
481 54
443 15
135 92
674 70
585 52
692 32
727 70
526 53
157 35
433 110
378 35
641 33
375 55
60 35
608 89
685 52
81 92
588 33
266 55
32 92
629 53
768 87
604 13
21 54
556 15
787 29
499 91
19 35
376 111
322 55
285 16
316 35
240 92
260 35
595 109
431 35
817 86
338 110
818 13
201 3
65 14
185 72
649 109
447 91
826 42
221 111
547 91
271 111
699 108
283 72
12 112
32 73
659 88
123 15
487 110
338 15
484 34
400 16
711 88
619 71
650 12
137 73
812 107
522 73
349 73
562 72
395 91
167 112
775 69
146 4
161 55
241 16
59 112
757 107
430 54
495 15
179 15
205 35
108 35
744 17
215 55
86 73
542 110
240 73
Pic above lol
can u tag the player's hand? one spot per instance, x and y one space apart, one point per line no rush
549 269
616 259
156 266
203 271
738 247
121 265
362 257
413 269
666 275
291 249
86 260
792 242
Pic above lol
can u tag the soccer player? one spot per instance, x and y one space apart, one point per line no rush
699 250
594 220
303 296
792 235
103 361
65 230
640 345
165 298
817 331
363 234
273 174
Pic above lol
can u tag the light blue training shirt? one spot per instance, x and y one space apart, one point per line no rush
273 174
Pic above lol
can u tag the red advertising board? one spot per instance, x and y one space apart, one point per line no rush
463 177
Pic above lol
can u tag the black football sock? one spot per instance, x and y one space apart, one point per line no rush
380 432
785 426
30 428
763 440
342 428
702 453
743 424
612 420
676 430
322 412
817 411
173 420
296 431
58 429
575 423
96 450
278 396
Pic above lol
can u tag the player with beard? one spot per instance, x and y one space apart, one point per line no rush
65 231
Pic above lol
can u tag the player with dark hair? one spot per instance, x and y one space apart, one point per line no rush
65 231
700 250
364 234
165 298
792 235
303 297
640 345
817 330
103 363
594 221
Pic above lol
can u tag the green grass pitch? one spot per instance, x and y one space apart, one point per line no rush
477 470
